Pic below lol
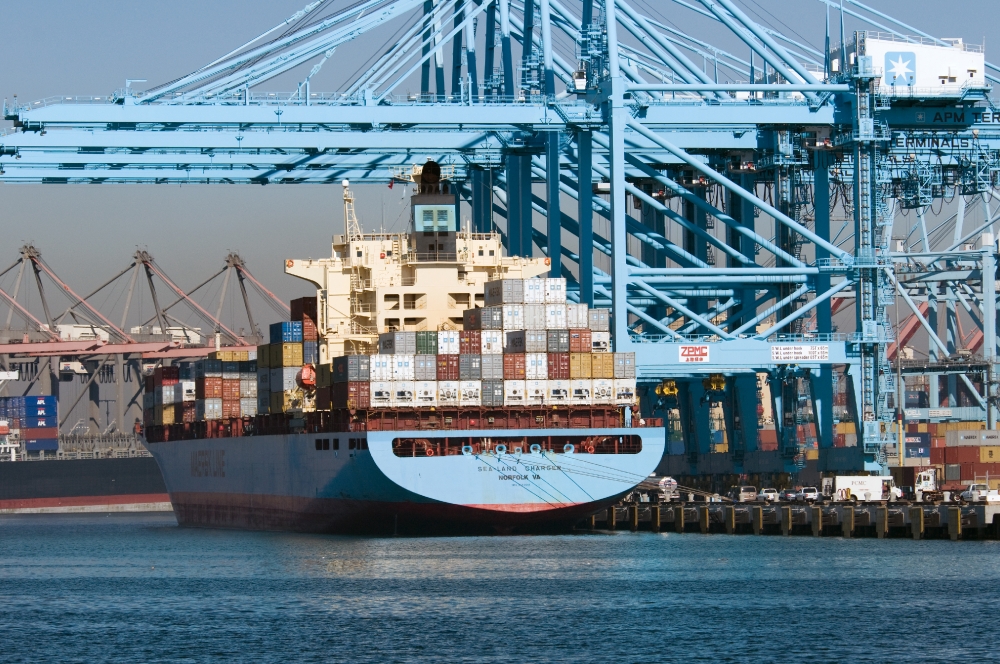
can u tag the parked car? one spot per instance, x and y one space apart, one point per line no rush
788 494
809 494
747 494
769 495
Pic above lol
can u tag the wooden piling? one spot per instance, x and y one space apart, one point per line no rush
882 522
757 517
847 521
786 520
592 522
917 522
816 517
729 516
633 517
654 517
955 523
679 518
610 522
703 519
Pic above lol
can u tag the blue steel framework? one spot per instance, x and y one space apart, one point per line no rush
604 93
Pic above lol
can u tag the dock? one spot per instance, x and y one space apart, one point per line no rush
881 520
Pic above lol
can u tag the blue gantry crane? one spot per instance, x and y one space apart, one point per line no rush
688 187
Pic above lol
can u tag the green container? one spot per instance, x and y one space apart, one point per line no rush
427 343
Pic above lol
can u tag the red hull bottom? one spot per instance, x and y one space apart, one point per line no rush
324 515
83 501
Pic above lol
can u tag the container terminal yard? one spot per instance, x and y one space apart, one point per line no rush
796 246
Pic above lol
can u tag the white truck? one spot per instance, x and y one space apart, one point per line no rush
866 488
980 493
926 488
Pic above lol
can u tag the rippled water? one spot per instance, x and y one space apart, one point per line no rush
138 588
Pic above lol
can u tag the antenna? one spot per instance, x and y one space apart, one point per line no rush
351 229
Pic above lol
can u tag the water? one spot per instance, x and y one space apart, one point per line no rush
130 588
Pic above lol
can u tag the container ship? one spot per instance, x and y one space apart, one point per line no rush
431 385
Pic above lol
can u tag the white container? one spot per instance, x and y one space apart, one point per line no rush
283 379
557 391
624 391
535 392
534 291
252 355
380 367
555 316
581 391
604 391
555 290
403 393
536 366
470 393
248 406
381 394
184 391
448 342
577 316
248 388
513 317
534 316
167 395
513 393
426 393
208 409
600 342
448 392
491 342
402 368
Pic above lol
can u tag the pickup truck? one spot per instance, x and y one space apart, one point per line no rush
980 493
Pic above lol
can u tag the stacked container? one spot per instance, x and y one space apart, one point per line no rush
36 419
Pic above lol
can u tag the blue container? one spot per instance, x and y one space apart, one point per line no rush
39 422
41 411
42 444
286 332
310 352
11 407
41 402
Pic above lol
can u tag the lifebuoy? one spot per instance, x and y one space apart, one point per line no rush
568 448
289 263
590 449
428 451
466 449
501 449
548 261
535 448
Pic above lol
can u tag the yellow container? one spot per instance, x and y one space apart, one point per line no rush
845 427
264 356
288 355
602 365
580 366
922 428
812 455
240 356
324 375
989 454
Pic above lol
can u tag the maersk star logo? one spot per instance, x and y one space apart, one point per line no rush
900 68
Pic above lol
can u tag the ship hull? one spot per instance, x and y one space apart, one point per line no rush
283 482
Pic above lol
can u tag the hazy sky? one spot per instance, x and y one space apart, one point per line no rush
87 233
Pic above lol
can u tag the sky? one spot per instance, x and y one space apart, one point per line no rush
88 233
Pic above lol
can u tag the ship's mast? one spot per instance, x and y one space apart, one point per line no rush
352 231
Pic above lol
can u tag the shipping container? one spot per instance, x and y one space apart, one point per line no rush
286 332
600 320
303 308
491 342
555 316
989 454
230 370
470 393
448 367
36 433
425 367
535 392
558 366
483 318
310 352
625 392
513 316
600 342
555 290
952 472
514 342
963 438
309 331
624 365
580 366
536 366
248 388
602 365
492 393
427 343
534 317
208 409
534 291
352 394
504 291
577 316
324 398
513 393
263 358
525 341
448 343
263 381
403 394
230 389
579 341
402 367
350 368
557 341
558 391
263 403
397 343
283 379
580 391
209 388
514 367
470 367
286 355
603 391
208 369
185 371
448 392
248 406
492 367
188 411
41 445
381 394
470 342
425 394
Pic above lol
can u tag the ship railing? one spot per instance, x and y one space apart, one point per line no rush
430 257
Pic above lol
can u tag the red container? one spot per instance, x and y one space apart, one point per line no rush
231 407
470 342
940 441
355 394
303 308
39 433
937 455
309 332
447 367
580 341
324 398
558 366
149 383
208 388
514 367
912 428
840 440
230 389
187 411
769 446
963 455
